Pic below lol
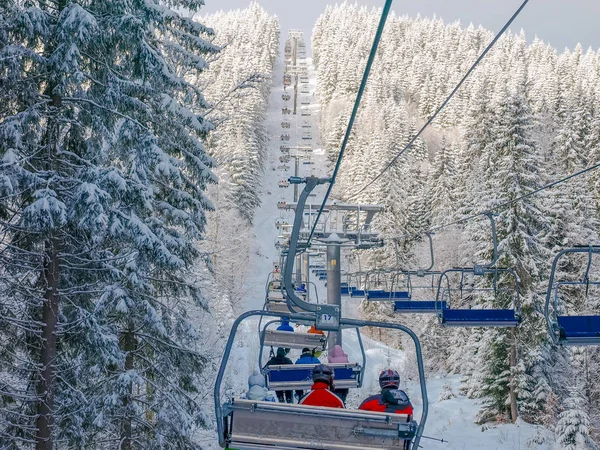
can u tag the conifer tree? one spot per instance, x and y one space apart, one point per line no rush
103 177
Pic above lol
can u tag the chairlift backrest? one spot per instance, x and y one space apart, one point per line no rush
299 376
288 339
284 426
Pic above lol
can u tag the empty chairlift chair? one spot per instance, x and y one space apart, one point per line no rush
420 306
573 329
454 314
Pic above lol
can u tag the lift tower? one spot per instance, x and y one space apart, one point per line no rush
341 225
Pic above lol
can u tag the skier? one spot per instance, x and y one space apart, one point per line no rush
307 357
320 394
391 400
256 387
279 360
337 355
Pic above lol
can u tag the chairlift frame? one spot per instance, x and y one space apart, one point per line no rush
224 411
571 329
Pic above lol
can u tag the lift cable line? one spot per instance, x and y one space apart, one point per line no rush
363 84
502 205
443 105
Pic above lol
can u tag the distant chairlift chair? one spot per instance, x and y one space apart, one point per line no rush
570 329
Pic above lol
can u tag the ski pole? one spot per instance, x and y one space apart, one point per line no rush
435 439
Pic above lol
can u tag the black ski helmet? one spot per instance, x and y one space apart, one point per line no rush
321 372
389 379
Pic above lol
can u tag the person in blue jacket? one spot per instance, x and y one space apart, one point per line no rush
307 357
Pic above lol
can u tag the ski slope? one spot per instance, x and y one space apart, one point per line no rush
452 419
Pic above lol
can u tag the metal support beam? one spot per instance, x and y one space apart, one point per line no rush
334 278
298 270
296 174
306 273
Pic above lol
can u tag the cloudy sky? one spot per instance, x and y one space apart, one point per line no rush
563 23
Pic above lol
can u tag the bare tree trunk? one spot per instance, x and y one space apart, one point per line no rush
128 344
45 384
514 412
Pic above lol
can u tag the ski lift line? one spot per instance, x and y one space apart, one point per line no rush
384 15
445 103
502 205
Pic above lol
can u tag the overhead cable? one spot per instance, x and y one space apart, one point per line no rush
502 205
363 84
443 105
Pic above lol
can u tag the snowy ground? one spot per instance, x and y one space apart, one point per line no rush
451 419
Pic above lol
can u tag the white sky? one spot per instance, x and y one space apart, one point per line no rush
562 23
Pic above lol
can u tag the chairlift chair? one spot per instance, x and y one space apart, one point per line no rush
419 306
246 424
478 317
567 329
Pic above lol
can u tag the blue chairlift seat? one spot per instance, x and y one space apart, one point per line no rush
347 290
357 293
579 330
479 318
379 294
418 306
322 278
299 376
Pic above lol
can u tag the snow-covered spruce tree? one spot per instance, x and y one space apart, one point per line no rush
573 427
239 142
516 169
101 201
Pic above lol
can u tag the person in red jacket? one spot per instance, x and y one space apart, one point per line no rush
391 400
320 394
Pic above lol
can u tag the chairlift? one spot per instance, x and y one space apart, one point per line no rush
284 183
419 305
567 329
478 317
286 111
286 125
284 158
299 376
267 425
285 137
283 167
286 97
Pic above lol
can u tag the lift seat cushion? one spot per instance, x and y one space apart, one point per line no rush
579 327
299 376
418 306
386 295
479 317
281 425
